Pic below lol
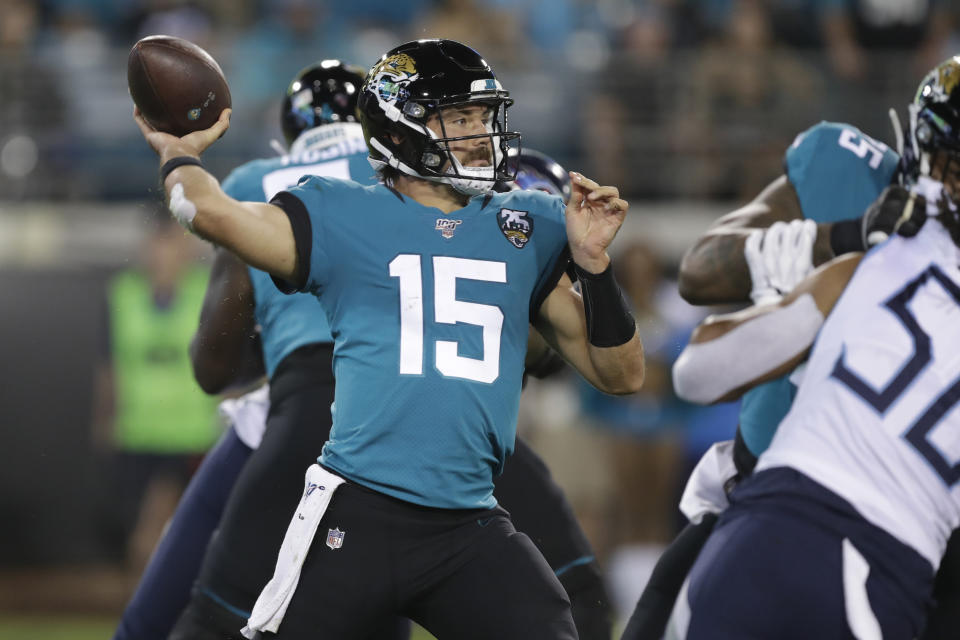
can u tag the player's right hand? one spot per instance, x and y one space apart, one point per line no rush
193 144
896 210
593 217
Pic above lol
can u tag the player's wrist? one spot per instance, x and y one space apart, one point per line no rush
591 264
609 321
177 150
846 236
175 162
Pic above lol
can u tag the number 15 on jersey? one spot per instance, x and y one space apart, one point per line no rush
448 310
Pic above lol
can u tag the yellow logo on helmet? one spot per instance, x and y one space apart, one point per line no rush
948 76
398 65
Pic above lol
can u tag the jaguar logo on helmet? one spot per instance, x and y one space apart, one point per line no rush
399 65
948 76
517 226
934 120
391 75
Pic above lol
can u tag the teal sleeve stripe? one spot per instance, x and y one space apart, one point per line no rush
576 563
223 603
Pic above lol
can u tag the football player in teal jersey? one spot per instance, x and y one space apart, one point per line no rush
249 329
840 193
428 283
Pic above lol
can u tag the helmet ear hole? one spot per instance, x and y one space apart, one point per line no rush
431 160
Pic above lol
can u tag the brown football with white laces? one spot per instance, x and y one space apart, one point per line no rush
178 87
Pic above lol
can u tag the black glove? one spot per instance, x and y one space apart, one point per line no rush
889 214
896 210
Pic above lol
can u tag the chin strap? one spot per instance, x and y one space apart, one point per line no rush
464 185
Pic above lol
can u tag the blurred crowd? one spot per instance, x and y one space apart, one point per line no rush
668 98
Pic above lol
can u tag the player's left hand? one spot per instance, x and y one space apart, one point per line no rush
778 258
193 144
594 215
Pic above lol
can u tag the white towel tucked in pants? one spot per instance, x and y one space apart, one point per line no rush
272 604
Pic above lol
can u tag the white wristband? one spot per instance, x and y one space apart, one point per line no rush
182 209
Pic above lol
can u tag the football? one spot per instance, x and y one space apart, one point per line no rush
177 86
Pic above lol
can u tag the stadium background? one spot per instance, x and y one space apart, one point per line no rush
686 105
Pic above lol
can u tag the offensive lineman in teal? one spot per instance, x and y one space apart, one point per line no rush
433 283
336 149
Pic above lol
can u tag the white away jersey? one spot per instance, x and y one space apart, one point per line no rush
876 418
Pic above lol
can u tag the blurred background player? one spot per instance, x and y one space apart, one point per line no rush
246 323
833 174
149 411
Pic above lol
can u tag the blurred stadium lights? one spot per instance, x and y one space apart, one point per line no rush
18 157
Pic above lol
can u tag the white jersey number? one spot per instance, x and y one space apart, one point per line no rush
283 179
448 310
863 146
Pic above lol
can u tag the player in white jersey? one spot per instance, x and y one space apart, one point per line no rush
841 529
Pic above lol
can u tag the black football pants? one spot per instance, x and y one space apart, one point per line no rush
461 574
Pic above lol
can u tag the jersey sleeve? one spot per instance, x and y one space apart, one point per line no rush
307 205
837 171
556 254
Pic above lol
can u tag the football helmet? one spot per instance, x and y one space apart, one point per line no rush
538 171
934 120
323 93
417 80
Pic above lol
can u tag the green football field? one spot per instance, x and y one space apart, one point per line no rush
82 628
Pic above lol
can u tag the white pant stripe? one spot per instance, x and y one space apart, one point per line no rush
863 623
680 618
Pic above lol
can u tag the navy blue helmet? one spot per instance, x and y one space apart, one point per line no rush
535 170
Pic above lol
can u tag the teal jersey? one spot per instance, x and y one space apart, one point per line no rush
289 322
837 172
430 316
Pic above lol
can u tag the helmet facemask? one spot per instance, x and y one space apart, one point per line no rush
442 163
433 155
422 82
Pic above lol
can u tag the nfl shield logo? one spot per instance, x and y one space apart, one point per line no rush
335 538
447 227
